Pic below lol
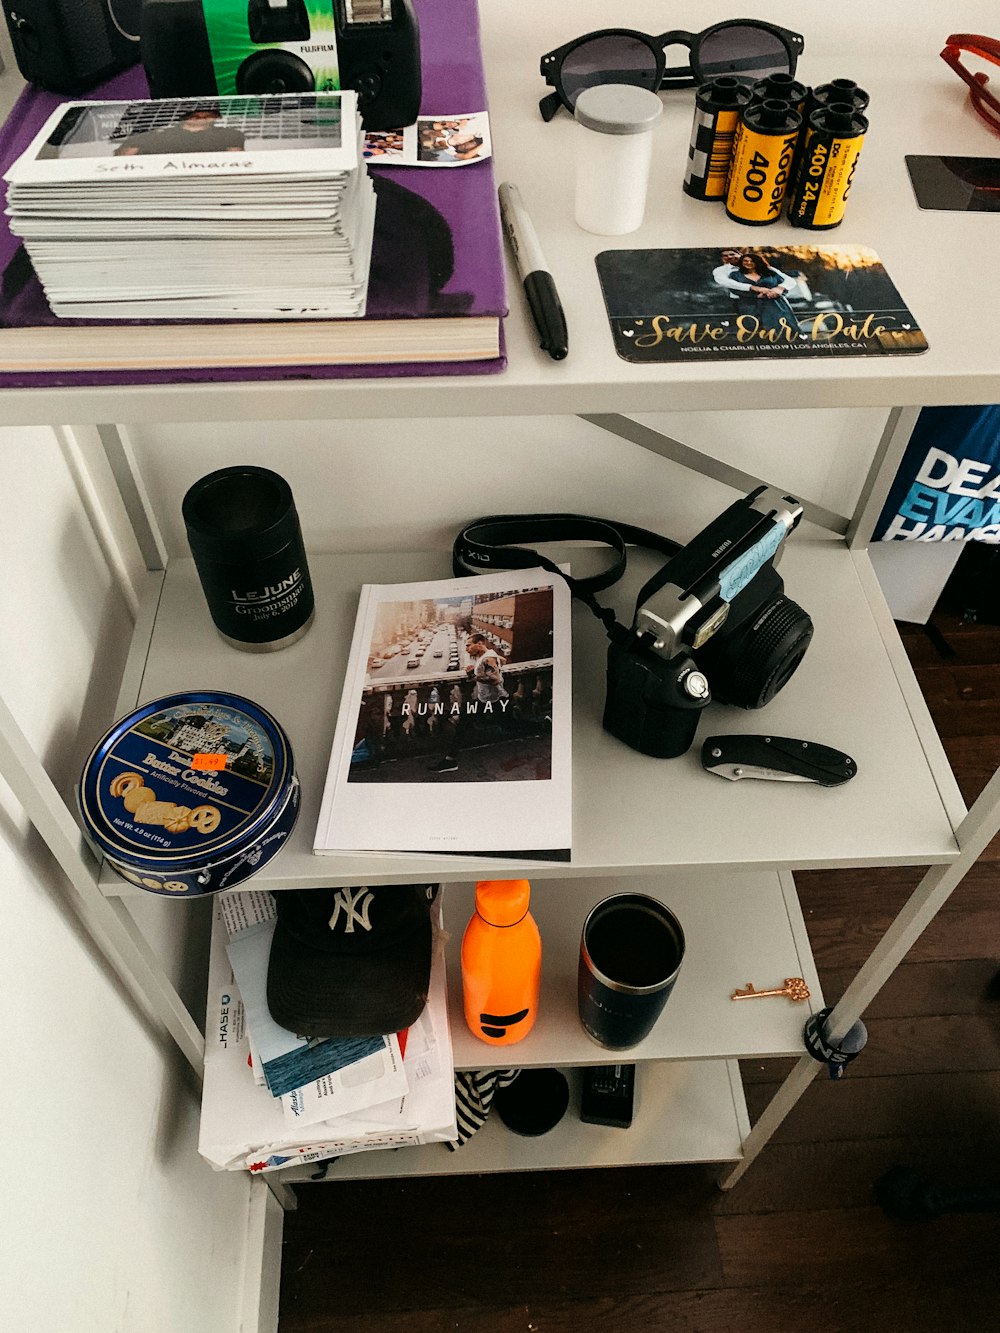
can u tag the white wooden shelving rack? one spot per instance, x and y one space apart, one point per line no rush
722 856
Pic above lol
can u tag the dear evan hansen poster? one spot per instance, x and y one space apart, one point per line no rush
948 484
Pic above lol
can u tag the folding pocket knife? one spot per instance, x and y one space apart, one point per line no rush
776 759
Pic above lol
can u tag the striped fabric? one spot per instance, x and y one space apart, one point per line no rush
474 1093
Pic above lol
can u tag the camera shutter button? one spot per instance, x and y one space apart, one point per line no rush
695 685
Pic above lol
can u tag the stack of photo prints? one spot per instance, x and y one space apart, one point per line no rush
213 208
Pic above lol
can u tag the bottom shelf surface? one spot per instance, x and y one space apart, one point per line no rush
685 1111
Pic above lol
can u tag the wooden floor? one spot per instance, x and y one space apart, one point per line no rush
799 1244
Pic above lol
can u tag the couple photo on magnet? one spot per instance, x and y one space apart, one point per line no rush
744 301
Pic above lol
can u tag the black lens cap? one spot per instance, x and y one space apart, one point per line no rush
534 1103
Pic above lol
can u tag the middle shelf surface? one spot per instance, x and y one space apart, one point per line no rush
738 929
631 814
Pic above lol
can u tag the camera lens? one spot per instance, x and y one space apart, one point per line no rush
748 666
274 71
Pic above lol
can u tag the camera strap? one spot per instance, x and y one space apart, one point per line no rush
497 541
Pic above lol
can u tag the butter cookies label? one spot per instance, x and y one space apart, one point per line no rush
157 795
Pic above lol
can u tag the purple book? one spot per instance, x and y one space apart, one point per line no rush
447 218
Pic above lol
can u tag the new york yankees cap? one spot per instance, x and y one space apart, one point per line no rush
353 962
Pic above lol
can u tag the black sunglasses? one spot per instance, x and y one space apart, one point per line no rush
745 48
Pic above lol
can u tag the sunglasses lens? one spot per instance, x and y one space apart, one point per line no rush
746 52
608 60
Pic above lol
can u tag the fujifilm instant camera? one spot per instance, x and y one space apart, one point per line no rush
199 48
714 621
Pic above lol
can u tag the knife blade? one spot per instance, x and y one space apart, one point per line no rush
776 759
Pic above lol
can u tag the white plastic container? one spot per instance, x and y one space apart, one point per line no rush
614 151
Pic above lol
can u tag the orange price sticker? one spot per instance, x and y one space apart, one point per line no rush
208 763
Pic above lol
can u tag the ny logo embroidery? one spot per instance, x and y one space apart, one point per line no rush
348 900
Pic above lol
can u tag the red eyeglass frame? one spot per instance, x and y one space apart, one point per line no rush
987 48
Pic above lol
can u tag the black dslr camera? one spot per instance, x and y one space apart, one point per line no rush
67 46
716 612
199 48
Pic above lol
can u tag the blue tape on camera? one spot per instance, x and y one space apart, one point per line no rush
735 577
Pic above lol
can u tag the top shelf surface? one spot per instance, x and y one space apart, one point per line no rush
939 260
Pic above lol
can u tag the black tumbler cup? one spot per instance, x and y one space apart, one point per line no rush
247 545
630 954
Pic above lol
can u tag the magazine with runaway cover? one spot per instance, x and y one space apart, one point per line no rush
244 1127
454 729
436 292
743 302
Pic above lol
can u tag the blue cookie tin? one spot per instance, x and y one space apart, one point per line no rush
191 793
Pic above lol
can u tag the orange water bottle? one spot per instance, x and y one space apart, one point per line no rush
501 963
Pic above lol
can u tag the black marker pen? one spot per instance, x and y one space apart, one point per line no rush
539 287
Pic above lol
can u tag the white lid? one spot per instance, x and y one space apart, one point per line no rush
618 108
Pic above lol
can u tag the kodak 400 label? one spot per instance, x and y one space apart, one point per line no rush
824 181
761 169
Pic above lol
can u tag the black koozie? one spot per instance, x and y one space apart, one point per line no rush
246 541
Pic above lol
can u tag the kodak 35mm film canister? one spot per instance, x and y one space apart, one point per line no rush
830 158
718 105
762 161
788 89
839 90
782 86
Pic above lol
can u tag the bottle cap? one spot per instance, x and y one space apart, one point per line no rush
618 108
502 902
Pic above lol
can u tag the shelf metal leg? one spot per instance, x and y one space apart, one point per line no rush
109 922
888 456
974 834
284 1194
134 497
667 447
262 1262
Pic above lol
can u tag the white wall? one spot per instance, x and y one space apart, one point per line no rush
378 485
110 1220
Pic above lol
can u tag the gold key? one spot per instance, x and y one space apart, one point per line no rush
795 988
